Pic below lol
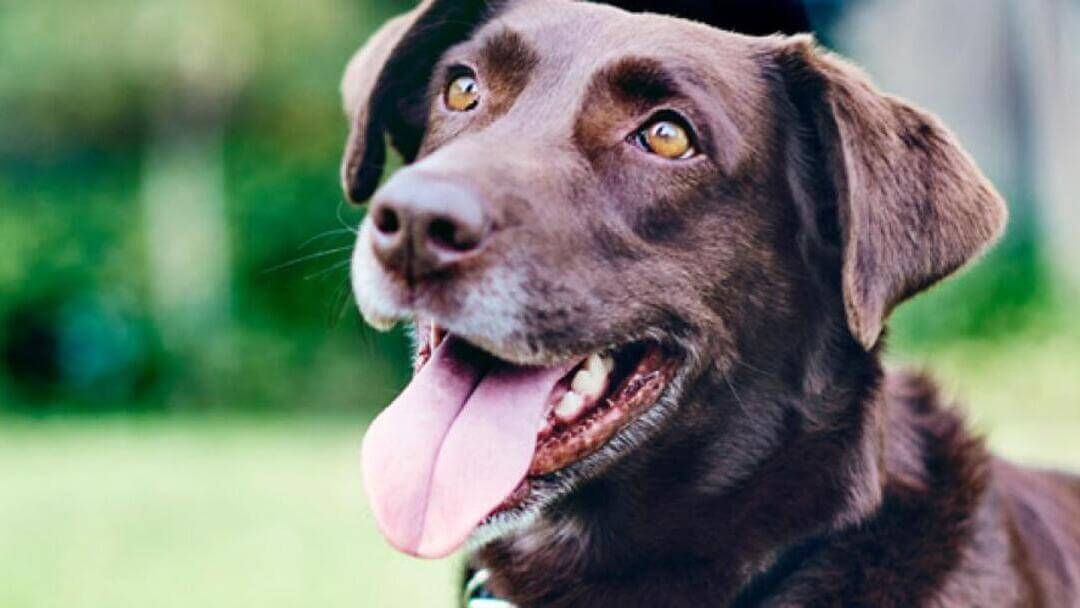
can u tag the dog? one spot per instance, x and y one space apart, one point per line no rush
649 264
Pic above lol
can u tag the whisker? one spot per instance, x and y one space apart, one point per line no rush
341 219
325 271
341 303
323 235
734 393
308 257
755 369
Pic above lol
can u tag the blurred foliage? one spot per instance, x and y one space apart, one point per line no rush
87 90
1006 292
82 91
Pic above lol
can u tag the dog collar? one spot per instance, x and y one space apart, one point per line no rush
477 595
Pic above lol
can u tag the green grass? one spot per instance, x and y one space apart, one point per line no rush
163 512
1023 393
159 513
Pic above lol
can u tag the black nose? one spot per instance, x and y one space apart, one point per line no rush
423 225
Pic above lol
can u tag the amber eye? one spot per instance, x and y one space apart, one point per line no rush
462 94
668 139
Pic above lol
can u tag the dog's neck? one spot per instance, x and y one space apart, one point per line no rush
679 528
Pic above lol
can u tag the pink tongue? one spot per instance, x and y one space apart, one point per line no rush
453 445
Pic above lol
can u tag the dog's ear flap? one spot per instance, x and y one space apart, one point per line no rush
386 82
911 205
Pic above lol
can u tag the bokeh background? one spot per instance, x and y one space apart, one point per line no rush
184 381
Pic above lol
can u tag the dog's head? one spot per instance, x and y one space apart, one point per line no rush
602 214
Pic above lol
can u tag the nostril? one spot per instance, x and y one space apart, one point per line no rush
386 220
447 234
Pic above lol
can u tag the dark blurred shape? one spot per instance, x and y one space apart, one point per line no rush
31 347
83 350
754 17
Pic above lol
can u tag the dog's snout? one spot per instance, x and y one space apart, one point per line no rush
422 225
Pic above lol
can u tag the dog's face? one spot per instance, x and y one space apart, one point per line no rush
607 213
592 236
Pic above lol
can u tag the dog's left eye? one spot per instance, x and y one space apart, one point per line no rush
462 94
667 138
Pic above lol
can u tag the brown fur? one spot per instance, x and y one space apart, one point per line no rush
783 467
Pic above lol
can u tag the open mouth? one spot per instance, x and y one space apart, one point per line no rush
465 439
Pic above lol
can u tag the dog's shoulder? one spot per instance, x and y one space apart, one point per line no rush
929 440
1042 513
995 517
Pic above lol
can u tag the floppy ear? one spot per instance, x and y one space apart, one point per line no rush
911 205
386 82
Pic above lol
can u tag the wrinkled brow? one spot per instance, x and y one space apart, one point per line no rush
506 55
639 82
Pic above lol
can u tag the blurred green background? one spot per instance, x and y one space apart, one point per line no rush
184 381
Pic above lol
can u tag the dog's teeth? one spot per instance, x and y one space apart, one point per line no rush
608 361
597 364
569 407
591 379
588 383
586 387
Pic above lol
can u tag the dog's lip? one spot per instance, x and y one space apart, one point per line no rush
430 334
634 391
536 492
642 372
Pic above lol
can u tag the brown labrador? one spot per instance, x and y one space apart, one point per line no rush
649 264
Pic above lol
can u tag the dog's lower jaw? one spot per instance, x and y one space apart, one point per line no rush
546 492
588 538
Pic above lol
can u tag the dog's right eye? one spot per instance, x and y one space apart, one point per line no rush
462 94
667 137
